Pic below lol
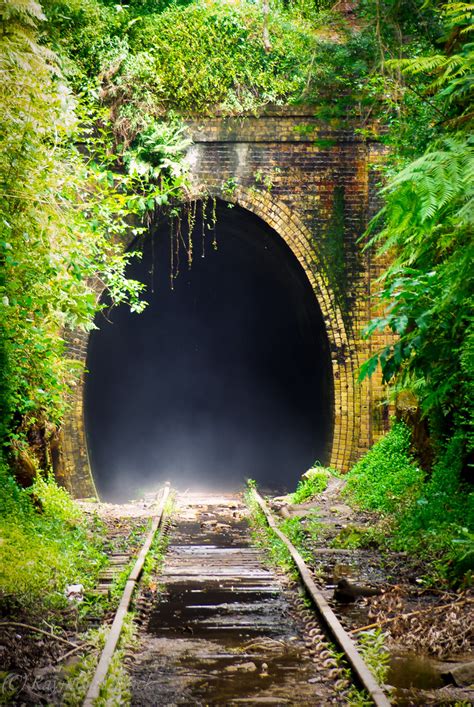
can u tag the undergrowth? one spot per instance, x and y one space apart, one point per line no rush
264 537
314 482
387 477
376 657
115 689
45 545
431 516
297 530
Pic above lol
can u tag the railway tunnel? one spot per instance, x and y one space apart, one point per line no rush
226 375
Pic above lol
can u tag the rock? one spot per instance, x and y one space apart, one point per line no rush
346 593
462 674
241 667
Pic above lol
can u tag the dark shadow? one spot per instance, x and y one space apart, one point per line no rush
227 376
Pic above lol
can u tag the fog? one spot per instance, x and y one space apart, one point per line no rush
223 378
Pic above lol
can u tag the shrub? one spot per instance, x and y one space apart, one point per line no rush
433 517
443 511
315 482
45 544
212 55
387 477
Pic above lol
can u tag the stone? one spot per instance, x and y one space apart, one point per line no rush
249 667
462 674
346 592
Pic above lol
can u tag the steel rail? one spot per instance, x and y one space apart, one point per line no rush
122 610
339 634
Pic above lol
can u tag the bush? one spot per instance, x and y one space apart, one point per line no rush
433 517
387 478
443 511
210 55
44 544
315 482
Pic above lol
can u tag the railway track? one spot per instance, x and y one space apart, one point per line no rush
227 629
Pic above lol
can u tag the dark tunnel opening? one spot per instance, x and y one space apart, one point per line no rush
225 377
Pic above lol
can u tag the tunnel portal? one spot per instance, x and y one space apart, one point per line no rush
224 377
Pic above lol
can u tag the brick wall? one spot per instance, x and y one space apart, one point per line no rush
316 188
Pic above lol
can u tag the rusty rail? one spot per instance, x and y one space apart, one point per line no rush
329 618
117 624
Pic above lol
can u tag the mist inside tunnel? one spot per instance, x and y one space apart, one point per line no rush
223 377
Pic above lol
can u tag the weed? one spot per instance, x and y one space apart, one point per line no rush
264 537
314 482
47 543
374 653
116 687
386 478
429 517
228 187
352 537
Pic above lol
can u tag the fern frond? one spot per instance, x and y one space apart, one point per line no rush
28 11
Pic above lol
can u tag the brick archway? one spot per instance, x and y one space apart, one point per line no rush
76 473
298 201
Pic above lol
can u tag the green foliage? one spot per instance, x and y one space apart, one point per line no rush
314 483
115 689
352 537
55 502
374 653
210 55
377 658
428 289
264 537
66 208
46 544
386 478
431 517
426 228
443 512
302 532
298 531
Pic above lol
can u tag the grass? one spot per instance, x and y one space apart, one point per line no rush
429 516
116 687
264 537
311 485
46 544
387 477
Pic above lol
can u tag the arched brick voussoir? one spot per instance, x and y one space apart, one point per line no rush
298 237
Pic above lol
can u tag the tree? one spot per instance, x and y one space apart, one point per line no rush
426 225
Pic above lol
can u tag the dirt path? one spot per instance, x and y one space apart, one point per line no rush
224 630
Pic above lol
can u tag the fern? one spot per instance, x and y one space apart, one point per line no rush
426 228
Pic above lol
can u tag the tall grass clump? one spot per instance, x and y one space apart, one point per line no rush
313 483
430 515
45 544
387 477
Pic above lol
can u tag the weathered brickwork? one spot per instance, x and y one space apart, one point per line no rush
316 188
